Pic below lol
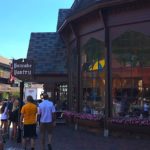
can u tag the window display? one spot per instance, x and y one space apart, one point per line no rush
93 76
131 74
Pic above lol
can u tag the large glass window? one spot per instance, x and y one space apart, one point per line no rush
61 94
93 76
131 73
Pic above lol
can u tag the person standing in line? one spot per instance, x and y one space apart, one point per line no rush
19 130
28 118
4 117
14 118
10 107
47 120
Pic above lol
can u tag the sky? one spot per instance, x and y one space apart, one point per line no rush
18 18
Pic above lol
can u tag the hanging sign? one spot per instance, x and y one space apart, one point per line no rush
23 69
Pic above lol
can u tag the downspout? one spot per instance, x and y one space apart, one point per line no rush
108 77
79 66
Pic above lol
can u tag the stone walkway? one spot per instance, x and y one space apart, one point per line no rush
66 138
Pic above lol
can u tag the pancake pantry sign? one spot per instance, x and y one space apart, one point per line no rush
23 68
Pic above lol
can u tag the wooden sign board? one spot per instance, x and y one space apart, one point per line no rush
23 69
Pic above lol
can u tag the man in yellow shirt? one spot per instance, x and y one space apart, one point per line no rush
29 119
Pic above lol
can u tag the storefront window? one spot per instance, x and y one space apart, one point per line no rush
61 94
131 73
93 63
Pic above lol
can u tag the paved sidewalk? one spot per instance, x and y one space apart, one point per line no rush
66 138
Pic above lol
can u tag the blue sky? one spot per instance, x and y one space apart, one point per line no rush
21 17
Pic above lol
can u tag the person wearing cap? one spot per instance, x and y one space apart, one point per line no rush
47 120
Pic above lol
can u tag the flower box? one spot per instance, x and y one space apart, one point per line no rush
89 120
69 117
88 123
84 120
133 125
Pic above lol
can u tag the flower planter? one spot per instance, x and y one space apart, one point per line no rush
83 120
129 128
69 120
125 126
69 117
88 123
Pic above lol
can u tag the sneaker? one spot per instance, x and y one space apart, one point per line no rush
49 147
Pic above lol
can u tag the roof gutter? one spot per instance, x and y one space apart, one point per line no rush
90 9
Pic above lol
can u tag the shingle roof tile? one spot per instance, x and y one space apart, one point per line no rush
62 15
48 52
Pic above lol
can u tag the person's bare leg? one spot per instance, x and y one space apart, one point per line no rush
2 123
15 129
3 131
5 127
12 132
32 143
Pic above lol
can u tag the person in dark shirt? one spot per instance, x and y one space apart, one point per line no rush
15 118
10 107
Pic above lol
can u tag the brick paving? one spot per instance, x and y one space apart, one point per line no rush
66 138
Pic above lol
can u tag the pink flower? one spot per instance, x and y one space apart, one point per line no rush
69 114
130 121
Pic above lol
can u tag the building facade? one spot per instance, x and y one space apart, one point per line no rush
106 50
108 55
4 74
48 52
6 88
